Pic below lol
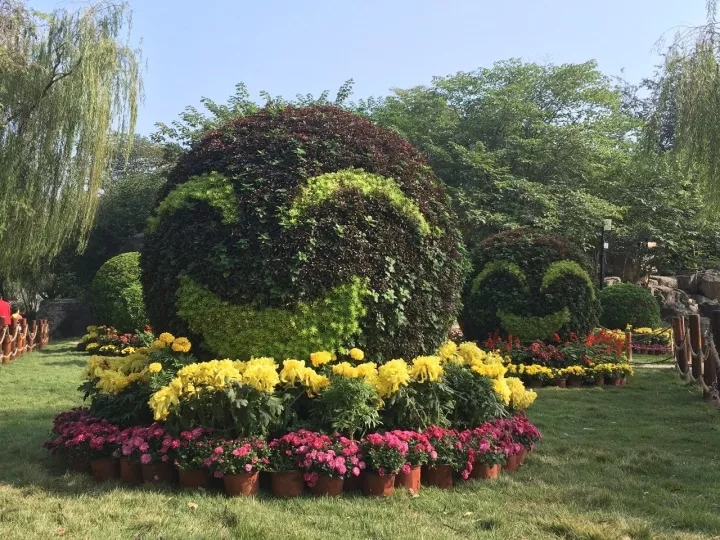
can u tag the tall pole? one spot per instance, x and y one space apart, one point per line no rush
602 256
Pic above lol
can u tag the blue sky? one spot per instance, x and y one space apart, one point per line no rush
203 48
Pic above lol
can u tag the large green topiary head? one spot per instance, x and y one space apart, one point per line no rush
116 296
627 303
301 229
528 284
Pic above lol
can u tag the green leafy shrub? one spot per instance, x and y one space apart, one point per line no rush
348 406
116 295
627 303
299 229
528 284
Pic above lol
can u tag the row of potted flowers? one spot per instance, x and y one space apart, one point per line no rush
536 375
655 350
327 465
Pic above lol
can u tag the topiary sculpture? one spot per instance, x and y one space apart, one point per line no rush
301 229
530 285
628 304
116 295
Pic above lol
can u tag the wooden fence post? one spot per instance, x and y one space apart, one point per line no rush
680 349
4 342
628 346
32 336
710 369
697 344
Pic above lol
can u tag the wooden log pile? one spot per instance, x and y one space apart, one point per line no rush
20 337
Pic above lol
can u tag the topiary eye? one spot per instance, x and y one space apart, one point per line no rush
562 269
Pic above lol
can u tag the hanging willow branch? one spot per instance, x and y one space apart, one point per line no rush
68 85
688 104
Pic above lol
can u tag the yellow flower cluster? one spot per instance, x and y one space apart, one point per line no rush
391 376
357 354
427 369
534 371
113 375
321 358
613 370
577 371
520 398
128 350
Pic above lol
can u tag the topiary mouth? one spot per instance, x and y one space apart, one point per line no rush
526 327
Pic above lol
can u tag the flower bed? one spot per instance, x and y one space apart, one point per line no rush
106 341
314 461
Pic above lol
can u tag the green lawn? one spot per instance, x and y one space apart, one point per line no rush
640 462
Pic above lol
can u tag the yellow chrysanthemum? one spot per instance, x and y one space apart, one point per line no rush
494 371
502 390
158 344
292 371
314 382
520 398
155 367
262 376
181 345
448 351
128 350
320 358
391 376
167 338
427 369
357 354
346 370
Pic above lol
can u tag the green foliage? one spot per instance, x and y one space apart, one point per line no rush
528 284
116 296
69 80
127 408
419 405
299 240
239 411
326 187
238 331
475 402
348 406
627 303
213 189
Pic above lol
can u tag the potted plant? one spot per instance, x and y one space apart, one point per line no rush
191 457
385 454
149 448
240 463
420 451
448 456
285 475
558 378
488 455
574 376
327 462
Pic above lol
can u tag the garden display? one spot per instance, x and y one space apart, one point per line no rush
531 285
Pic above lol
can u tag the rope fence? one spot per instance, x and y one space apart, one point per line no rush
696 358
20 337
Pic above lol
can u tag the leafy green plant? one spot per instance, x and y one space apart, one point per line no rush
348 406
628 304
116 295
419 405
475 400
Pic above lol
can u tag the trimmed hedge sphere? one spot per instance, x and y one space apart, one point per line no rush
116 295
528 284
627 303
302 229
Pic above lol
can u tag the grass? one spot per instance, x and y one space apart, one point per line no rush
653 359
640 462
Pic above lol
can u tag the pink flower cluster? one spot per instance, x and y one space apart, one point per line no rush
238 456
147 444
420 451
321 454
78 433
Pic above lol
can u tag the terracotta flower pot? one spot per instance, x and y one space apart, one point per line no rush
242 484
600 381
157 473
353 483
326 485
410 481
534 383
560 383
80 464
484 471
287 484
104 469
198 478
574 381
130 471
613 381
438 476
522 455
512 463
375 485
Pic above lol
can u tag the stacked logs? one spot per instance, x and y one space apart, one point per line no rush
20 337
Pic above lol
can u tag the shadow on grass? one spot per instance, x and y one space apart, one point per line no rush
58 350
64 363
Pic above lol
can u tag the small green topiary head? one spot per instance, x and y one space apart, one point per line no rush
627 303
116 295
528 284
297 229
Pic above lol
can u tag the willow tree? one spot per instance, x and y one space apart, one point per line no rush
69 84
686 120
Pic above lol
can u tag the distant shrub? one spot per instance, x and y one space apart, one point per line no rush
116 295
626 303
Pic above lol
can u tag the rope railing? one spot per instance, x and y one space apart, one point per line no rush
19 337
696 358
